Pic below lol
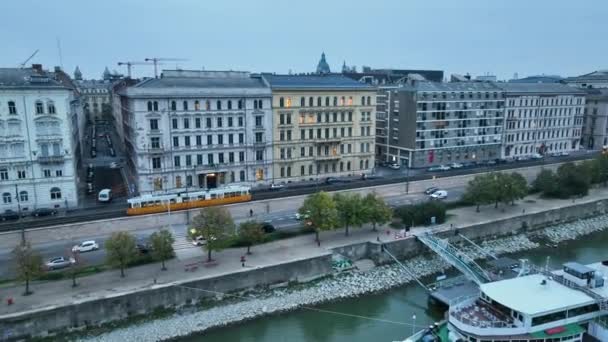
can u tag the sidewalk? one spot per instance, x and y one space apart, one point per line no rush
228 261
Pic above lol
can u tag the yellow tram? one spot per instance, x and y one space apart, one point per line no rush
151 203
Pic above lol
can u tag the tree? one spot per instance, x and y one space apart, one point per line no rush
350 210
320 213
76 266
479 190
511 187
162 246
376 210
28 264
573 180
422 213
252 233
546 183
120 250
601 164
214 225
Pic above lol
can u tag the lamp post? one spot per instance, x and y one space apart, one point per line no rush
413 324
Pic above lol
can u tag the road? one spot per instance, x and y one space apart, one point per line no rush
283 219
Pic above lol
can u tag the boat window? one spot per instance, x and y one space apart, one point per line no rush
555 316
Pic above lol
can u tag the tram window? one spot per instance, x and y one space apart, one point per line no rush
172 201
185 199
201 197
213 196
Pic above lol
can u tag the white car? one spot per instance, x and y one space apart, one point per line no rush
277 186
439 194
456 165
86 246
537 156
59 263
300 217
199 241
113 165
394 166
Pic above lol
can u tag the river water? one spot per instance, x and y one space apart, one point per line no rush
359 319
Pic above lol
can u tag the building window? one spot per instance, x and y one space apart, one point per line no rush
155 142
55 193
185 105
21 174
311 101
154 125
187 140
46 173
58 173
229 104
210 158
175 141
23 196
39 107
189 181
208 122
220 139
51 107
173 105
241 156
186 123
230 121
178 181
240 104
155 106
12 109
241 138
218 105
156 163
207 105
319 103
242 176
219 122
302 102
259 155
174 123
197 122
261 104
369 100
6 198
177 161
197 105
363 100
350 100
327 101
281 102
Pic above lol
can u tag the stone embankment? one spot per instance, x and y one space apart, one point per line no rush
341 286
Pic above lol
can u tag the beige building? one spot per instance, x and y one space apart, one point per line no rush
323 126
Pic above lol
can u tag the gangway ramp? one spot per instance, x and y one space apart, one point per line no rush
455 257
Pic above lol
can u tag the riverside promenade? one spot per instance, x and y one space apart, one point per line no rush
102 285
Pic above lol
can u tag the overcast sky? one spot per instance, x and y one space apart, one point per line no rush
501 37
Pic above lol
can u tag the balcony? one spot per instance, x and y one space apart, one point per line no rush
334 140
259 143
327 157
50 159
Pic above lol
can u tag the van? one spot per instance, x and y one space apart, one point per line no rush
105 195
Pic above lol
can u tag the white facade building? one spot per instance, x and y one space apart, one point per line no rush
38 145
196 129
541 119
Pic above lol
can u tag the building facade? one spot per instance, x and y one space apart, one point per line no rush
96 99
596 79
38 141
422 123
197 129
323 126
541 118
595 120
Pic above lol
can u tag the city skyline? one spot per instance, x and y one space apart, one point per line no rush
475 37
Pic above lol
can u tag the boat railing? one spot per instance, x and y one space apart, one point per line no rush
466 310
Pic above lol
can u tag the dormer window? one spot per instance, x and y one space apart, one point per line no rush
39 107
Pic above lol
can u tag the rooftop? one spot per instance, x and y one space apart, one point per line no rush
543 88
452 86
528 296
326 82
599 75
27 78
202 79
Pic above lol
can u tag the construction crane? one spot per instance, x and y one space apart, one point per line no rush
129 64
155 60
22 65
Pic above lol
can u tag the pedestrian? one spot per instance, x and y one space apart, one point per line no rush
250 212
242 260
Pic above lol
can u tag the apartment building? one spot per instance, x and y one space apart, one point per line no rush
596 79
422 123
541 118
323 126
39 146
196 129
595 119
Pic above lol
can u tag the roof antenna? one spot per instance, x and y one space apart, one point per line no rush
22 65
59 52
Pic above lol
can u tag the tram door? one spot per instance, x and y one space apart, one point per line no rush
211 181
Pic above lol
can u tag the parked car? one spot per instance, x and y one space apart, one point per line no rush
276 186
394 166
431 190
113 165
439 194
86 246
9 215
105 195
143 246
59 263
267 227
564 154
439 168
44 212
491 162
537 156
199 241
522 158
456 165
304 216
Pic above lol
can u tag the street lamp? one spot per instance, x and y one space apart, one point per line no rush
413 324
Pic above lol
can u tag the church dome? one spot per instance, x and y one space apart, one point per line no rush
323 67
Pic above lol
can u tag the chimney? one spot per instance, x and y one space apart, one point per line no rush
37 67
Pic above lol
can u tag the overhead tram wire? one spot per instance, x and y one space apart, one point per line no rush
310 308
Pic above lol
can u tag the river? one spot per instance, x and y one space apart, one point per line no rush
383 317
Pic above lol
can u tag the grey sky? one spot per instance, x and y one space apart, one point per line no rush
498 36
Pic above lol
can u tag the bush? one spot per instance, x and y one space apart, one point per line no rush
421 214
238 241
569 180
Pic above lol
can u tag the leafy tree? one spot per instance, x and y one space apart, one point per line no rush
573 180
421 214
320 212
28 264
512 187
162 246
76 266
479 190
251 233
601 164
376 210
546 183
350 210
214 225
121 250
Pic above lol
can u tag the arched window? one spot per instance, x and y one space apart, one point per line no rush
360 164
51 107
240 104
363 100
288 104
342 101
12 109
319 103
229 104
155 106
185 104
311 101
218 105
149 106
207 105
39 107
173 105
281 102
260 104
335 101
55 193
327 101
23 197
6 197
197 105
348 166
367 163
302 102
350 100
369 100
